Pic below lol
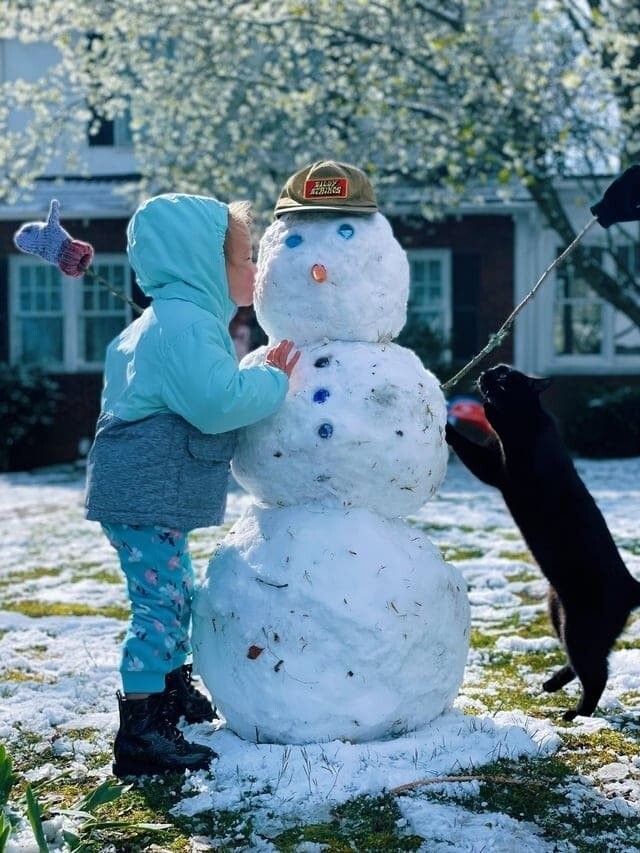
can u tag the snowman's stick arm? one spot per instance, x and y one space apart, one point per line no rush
116 292
497 338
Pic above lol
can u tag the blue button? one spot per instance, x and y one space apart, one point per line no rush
325 431
321 395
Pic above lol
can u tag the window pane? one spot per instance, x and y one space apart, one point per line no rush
626 335
578 312
117 277
25 299
41 340
104 315
426 284
98 332
578 328
418 269
435 271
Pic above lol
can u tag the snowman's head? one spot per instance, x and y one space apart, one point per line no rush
335 275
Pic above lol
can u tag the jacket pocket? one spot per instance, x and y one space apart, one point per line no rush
204 478
212 448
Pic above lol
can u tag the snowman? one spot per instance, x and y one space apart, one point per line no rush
324 614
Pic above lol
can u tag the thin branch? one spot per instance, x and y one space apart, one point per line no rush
436 780
454 21
496 339
119 293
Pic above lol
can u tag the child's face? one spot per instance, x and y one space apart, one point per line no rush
241 270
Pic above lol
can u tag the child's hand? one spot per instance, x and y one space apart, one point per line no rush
278 356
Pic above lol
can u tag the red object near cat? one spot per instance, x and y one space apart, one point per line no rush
468 410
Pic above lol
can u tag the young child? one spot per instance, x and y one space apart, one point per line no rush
159 465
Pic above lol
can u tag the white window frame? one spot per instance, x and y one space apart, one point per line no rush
605 362
71 312
122 133
445 309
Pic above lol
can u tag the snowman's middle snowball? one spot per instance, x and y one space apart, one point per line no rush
362 425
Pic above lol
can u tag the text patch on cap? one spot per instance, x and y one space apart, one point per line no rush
326 188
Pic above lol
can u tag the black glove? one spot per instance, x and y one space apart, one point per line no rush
621 200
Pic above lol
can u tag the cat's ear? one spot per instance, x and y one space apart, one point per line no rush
540 384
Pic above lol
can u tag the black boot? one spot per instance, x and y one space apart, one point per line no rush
185 700
148 741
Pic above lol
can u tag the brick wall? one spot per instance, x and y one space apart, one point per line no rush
487 244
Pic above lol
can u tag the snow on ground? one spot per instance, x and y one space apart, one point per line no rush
68 666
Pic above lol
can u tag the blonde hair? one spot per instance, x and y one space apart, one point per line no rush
240 213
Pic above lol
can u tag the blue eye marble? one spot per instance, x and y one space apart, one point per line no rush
346 231
293 240
325 431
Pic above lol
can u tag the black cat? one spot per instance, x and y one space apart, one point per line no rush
591 593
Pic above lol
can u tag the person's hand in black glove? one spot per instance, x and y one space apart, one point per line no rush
621 200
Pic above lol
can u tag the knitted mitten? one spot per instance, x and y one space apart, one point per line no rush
621 200
51 242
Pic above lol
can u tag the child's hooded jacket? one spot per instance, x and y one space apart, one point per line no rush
173 393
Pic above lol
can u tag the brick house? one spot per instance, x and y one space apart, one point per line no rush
467 273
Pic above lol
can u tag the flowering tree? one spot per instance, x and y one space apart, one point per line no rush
453 95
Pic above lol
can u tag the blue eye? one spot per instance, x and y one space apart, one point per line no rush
346 231
293 240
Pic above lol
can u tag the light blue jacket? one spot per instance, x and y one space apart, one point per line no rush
173 390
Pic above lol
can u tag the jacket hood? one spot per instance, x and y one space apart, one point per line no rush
175 245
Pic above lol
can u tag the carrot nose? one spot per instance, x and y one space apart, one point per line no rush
319 273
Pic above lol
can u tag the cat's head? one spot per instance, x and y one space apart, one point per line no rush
503 388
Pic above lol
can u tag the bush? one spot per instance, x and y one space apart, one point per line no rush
606 426
428 345
28 399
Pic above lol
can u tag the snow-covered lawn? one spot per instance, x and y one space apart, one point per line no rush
536 782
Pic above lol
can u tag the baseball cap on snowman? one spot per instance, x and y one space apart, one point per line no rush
327 185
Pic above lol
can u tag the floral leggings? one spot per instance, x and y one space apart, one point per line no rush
157 565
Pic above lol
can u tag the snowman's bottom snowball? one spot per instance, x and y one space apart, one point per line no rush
318 624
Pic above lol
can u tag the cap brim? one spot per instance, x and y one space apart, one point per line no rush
335 208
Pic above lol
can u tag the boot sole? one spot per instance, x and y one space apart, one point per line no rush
122 768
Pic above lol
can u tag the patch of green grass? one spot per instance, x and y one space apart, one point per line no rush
587 751
540 662
627 644
102 576
39 609
26 575
459 553
37 651
520 557
532 626
364 823
632 698
630 545
19 676
481 640
540 791
430 527
526 598
504 686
